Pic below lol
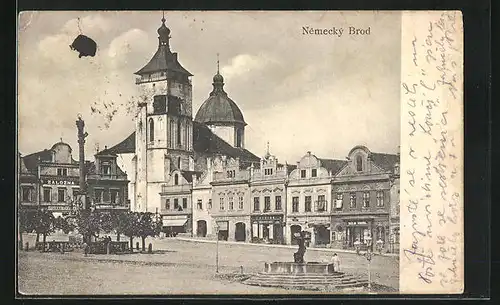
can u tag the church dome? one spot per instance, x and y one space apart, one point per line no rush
219 108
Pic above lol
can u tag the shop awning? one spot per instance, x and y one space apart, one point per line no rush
174 222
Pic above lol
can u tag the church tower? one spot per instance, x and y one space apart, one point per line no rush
164 125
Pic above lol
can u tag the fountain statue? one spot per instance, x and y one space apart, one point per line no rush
298 256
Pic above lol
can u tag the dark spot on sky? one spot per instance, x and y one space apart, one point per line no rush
84 45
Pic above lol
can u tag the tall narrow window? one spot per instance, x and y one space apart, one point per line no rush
209 204
61 195
167 204
46 194
151 130
179 132
114 196
314 172
176 179
303 173
267 204
231 203
239 136
308 204
256 203
359 163
176 203
184 203
200 204
321 203
98 196
295 204
277 203
380 198
338 202
26 194
179 163
221 203
352 200
366 199
240 202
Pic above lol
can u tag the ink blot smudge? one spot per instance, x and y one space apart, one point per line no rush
84 45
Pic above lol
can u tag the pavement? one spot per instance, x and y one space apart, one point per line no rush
176 267
332 250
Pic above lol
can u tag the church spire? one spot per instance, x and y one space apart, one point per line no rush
164 33
218 81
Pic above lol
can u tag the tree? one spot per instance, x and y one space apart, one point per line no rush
129 223
120 219
88 224
63 224
146 227
43 223
25 222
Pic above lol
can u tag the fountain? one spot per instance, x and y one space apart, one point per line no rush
304 275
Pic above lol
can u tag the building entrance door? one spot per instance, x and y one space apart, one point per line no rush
201 228
240 232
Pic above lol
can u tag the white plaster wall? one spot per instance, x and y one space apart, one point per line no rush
154 199
205 194
224 132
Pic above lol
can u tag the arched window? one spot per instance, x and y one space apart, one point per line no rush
179 163
359 163
176 179
151 130
239 136
179 132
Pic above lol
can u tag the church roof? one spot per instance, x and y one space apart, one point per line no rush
125 146
385 161
204 142
333 165
219 108
163 60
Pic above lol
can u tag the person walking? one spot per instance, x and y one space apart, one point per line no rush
85 248
336 262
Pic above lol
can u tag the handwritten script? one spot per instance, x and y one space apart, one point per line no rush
431 255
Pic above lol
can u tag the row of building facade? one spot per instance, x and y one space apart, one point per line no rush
199 177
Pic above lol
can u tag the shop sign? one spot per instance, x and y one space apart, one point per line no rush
353 223
268 217
58 182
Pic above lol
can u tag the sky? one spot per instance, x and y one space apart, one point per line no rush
319 93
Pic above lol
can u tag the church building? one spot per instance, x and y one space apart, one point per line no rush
169 153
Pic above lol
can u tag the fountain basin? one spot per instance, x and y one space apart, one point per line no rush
296 268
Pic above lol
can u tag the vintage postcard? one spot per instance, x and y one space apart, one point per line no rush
240 152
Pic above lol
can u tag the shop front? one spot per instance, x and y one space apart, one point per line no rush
267 229
350 232
175 224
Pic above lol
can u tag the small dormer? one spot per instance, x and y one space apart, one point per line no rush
359 159
105 162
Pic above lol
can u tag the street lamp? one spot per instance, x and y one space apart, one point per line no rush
369 256
217 248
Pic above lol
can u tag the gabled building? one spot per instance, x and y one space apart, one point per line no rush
56 176
309 199
107 184
362 192
268 195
